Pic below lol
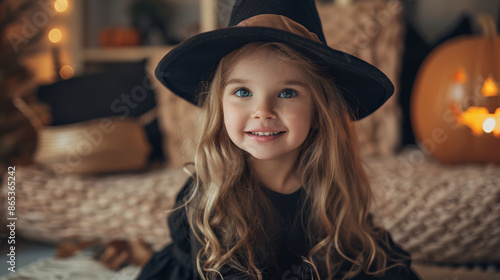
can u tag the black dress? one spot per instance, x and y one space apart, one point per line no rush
174 262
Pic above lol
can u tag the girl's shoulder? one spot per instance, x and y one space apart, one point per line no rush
177 221
184 191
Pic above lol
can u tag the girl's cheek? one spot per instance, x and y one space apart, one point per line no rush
296 112
231 117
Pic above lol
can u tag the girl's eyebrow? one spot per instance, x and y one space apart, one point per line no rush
237 81
295 83
286 82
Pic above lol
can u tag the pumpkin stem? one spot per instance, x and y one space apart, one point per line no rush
487 24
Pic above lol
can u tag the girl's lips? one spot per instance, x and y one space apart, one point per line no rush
265 139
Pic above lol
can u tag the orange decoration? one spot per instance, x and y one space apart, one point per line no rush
455 106
120 37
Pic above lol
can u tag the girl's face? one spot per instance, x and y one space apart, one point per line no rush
267 106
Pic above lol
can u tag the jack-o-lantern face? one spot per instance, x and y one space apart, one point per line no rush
478 119
456 101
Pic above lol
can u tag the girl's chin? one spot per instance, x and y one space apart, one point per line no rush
275 154
257 157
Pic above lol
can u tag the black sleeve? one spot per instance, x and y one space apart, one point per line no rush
394 252
173 261
399 273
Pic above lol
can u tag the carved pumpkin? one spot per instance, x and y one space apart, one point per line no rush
455 106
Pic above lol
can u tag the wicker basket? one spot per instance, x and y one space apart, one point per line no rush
96 146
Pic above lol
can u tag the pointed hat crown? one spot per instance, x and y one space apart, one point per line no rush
303 12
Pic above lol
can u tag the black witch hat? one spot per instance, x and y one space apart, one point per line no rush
295 23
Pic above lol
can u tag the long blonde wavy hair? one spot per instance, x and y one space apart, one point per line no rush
231 226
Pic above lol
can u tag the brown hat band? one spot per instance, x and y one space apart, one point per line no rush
279 22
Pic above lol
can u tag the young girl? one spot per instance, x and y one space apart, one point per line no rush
279 191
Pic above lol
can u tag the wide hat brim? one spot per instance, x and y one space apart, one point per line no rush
184 69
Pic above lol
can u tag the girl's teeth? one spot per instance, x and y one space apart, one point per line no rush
265 133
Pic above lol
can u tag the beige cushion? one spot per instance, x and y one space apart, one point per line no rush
438 212
372 31
178 120
92 147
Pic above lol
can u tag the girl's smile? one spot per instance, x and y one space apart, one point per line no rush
265 137
267 106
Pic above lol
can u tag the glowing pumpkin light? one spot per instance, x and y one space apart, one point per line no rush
479 120
456 97
489 88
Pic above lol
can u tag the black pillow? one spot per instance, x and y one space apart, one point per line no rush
122 90
416 50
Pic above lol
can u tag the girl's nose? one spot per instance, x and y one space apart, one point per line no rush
264 110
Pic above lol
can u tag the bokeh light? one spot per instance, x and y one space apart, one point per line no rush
61 5
66 72
55 35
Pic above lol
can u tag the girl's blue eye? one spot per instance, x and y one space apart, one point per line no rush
243 92
288 93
